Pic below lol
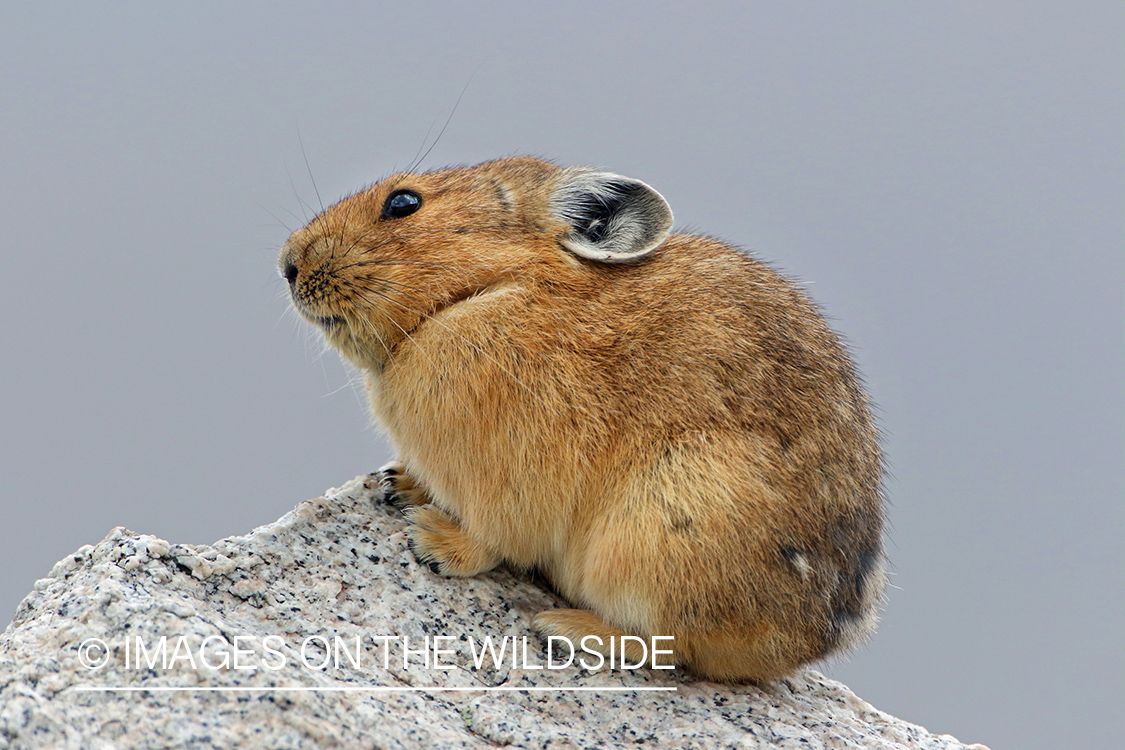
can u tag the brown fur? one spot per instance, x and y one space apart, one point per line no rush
678 442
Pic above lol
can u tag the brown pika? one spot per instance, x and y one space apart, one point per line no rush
661 424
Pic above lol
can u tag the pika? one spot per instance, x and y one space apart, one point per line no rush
661 424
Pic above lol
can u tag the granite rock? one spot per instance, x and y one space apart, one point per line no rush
320 630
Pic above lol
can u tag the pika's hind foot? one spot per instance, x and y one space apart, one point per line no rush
437 539
578 624
400 489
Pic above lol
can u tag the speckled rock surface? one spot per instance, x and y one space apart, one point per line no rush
247 622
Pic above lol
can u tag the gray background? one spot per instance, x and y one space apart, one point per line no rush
946 179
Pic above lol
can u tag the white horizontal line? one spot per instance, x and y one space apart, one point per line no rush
373 689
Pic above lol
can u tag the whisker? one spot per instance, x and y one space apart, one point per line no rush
277 218
304 218
333 393
449 119
389 284
309 169
344 230
295 216
422 145
375 333
394 262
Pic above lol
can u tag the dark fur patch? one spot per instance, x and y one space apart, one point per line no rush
794 557
868 561
501 194
847 603
680 522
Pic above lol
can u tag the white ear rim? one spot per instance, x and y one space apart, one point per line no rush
629 219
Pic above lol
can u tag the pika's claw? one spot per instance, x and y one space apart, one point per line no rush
436 539
400 489
420 557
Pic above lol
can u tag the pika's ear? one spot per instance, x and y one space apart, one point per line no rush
613 219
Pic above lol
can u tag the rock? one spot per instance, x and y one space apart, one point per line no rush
221 646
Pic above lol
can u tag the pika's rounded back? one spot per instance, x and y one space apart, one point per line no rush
660 423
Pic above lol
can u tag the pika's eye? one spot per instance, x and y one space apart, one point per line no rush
401 203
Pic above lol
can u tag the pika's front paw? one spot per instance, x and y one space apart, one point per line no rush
437 540
400 489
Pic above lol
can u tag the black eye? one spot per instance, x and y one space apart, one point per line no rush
401 203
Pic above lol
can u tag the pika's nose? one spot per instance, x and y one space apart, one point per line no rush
289 271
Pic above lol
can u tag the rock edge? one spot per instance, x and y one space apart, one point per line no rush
338 566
